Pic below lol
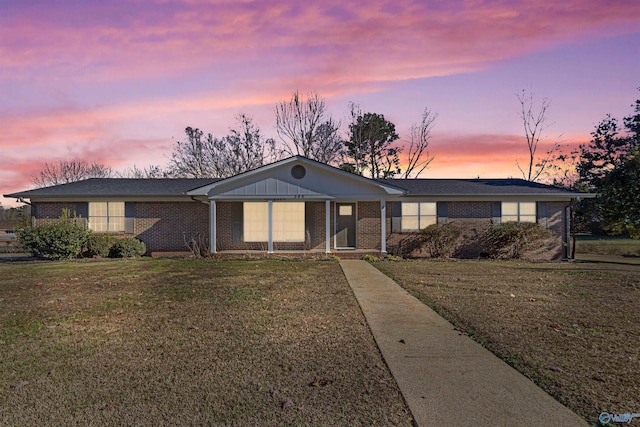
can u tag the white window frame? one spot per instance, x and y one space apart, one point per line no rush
426 215
520 214
110 219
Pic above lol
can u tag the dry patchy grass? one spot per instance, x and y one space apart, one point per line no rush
166 342
572 328
608 246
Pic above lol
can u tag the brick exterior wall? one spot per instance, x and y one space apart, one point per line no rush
164 226
368 225
476 217
50 210
464 210
555 217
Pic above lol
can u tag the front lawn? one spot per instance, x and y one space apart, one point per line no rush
616 246
574 329
167 342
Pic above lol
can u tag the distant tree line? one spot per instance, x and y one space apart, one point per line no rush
370 146
608 165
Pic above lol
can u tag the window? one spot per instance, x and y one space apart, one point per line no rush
288 222
518 211
256 221
106 216
287 226
416 216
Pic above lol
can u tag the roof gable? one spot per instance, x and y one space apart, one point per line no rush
280 179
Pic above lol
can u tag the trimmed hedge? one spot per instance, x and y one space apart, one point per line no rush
99 245
127 247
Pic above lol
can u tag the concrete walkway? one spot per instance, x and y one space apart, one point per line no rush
445 377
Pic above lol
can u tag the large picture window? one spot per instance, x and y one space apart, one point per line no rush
416 216
106 216
256 221
518 211
287 226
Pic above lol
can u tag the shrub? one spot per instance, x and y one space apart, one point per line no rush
127 247
63 239
437 241
440 241
511 240
370 258
99 245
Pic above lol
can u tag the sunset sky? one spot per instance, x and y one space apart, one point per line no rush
118 81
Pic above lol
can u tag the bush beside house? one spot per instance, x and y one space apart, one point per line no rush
69 237
62 239
512 240
508 240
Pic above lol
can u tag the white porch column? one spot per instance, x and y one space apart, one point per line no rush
212 226
327 225
270 244
383 226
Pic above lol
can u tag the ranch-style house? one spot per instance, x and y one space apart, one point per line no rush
298 204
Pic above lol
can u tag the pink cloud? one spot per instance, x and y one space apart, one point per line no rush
338 41
116 81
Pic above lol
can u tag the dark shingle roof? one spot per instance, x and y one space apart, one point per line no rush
475 187
120 187
162 187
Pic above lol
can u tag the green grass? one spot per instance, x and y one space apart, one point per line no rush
608 246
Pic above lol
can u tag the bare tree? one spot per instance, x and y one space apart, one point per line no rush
153 171
562 170
534 124
66 171
205 156
305 129
418 157
193 158
243 149
328 145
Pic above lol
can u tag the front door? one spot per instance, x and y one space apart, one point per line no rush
345 225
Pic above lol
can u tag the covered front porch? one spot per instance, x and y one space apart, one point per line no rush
294 226
296 204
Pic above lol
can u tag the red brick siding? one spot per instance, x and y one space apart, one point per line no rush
51 210
164 226
368 229
317 231
469 210
556 217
